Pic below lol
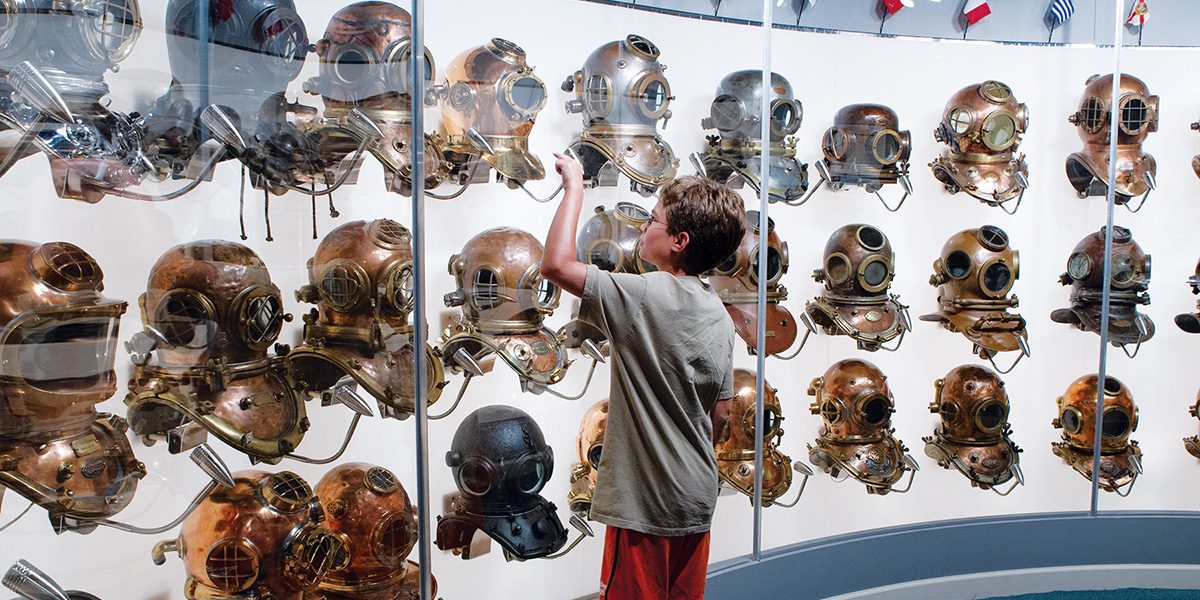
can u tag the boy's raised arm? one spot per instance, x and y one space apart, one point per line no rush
559 263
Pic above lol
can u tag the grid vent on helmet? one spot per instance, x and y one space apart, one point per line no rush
232 565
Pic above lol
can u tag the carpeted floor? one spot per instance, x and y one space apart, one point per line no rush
1121 594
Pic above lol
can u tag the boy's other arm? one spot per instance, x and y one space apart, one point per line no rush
559 263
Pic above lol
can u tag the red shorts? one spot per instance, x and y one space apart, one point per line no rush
640 566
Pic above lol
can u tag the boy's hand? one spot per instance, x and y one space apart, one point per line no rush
571 171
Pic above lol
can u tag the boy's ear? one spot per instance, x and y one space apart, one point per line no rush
682 239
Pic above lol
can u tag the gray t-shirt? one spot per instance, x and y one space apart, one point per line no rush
672 359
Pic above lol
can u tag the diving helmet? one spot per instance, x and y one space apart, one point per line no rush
622 93
866 148
974 275
361 279
733 440
254 49
736 282
58 338
857 271
734 154
1130 283
1192 444
368 506
611 239
1138 117
855 439
491 99
982 125
264 538
973 436
590 445
1190 322
53 56
504 300
500 462
366 55
1120 457
201 365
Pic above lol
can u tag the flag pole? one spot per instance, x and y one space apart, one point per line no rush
966 28
884 21
1053 26
800 13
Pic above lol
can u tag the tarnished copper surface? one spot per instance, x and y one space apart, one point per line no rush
842 394
262 538
736 283
365 57
982 124
1080 398
514 257
361 39
589 446
1087 170
58 342
849 147
857 268
492 89
361 280
87 475
973 435
877 465
974 276
610 239
1130 288
211 312
733 440
855 438
367 504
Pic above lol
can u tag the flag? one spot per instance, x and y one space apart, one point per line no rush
1060 11
976 10
894 6
1140 13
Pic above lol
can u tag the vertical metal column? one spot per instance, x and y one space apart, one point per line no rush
203 40
764 197
424 546
1108 243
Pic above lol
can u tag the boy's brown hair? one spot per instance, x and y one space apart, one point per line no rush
713 216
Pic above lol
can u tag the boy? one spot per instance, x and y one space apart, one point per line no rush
672 360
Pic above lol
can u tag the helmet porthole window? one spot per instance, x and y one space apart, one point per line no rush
958 264
837 268
1135 115
485 288
1079 266
875 411
835 143
726 112
991 415
1115 424
875 275
598 95
996 278
1072 421
1092 114
959 120
887 147
999 131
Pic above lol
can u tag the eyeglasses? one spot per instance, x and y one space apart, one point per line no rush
652 220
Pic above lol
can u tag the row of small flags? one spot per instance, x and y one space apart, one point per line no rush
1059 11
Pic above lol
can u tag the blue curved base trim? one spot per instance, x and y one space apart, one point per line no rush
881 557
